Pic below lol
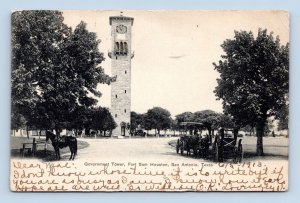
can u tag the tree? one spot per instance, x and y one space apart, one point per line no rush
101 119
225 121
158 118
253 83
268 127
209 119
184 117
67 85
148 123
54 67
174 126
136 120
81 118
283 117
108 122
18 121
36 36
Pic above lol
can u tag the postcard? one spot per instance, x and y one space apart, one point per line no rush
173 101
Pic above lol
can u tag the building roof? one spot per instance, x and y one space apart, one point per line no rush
190 123
120 18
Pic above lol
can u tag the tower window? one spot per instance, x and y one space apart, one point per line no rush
125 110
125 91
121 48
125 48
117 48
116 96
125 71
116 115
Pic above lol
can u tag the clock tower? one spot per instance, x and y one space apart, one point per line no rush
121 56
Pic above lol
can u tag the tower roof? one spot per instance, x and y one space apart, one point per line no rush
120 18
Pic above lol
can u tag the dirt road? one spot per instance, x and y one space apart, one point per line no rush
159 149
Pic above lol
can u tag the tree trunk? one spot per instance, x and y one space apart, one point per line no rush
87 132
235 134
209 135
57 131
27 132
209 132
260 134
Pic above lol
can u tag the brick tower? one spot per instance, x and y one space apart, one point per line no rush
121 56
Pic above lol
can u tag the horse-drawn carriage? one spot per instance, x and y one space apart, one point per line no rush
226 146
193 143
198 145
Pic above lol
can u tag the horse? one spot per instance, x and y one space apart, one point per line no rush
204 147
61 142
187 143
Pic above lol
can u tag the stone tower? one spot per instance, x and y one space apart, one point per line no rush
121 56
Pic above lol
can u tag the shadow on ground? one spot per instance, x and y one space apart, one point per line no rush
44 155
249 153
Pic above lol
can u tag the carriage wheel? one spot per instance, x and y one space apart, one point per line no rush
182 148
240 153
216 153
195 152
236 155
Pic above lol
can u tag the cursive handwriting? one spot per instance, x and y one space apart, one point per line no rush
72 176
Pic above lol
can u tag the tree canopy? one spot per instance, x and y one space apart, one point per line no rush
101 119
136 120
55 70
36 37
254 79
160 119
185 117
283 117
209 119
157 118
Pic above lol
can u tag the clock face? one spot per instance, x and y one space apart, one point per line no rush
121 29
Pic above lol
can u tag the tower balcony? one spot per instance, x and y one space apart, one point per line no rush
115 54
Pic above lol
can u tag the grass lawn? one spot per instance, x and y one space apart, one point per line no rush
274 148
49 155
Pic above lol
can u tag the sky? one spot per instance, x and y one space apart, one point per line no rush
174 51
